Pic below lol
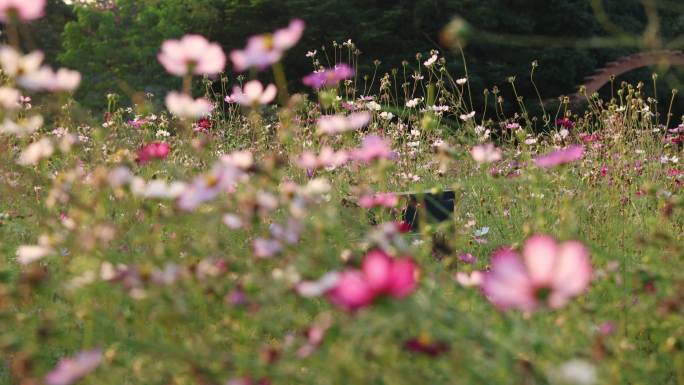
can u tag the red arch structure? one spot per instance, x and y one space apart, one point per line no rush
601 77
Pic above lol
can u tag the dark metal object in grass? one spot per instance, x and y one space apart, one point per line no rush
434 207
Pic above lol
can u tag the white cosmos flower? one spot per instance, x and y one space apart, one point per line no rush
36 151
27 254
15 64
22 127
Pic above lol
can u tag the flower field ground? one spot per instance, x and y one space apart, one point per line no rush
242 233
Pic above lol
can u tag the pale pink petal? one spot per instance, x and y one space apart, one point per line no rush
540 253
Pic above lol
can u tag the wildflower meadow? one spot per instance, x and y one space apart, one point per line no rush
340 227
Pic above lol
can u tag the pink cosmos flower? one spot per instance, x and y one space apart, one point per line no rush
336 124
560 157
192 54
154 150
379 275
185 107
71 369
264 50
373 147
486 153
204 188
24 10
253 94
547 274
351 291
328 77
327 158
387 200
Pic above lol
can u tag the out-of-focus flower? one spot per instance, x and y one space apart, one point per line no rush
547 274
266 248
253 94
192 54
379 275
461 81
373 147
222 178
9 98
473 279
203 125
387 200
36 152
24 10
336 124
327 158
310 289
22 127
155 150
185 107
14 63
467 258
574 372
351 291
328 77
264 50
486 153
72 369
64 80
560 157
27 254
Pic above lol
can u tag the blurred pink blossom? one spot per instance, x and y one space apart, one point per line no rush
185 107
486 153
388 200
372 148
547 274
192 54
253 93
264 50
154 150
71 369
379 275
328 77
337 124
560 157
24 10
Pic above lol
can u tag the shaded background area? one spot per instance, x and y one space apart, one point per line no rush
114 43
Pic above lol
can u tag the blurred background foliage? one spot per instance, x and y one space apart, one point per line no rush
115 43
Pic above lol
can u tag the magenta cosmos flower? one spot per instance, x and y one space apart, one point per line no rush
24 10
154 150
560 157
547 274
379 275
264 50
71 369
192 54
328 77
